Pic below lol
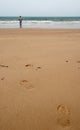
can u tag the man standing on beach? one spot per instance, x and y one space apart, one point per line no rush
20 21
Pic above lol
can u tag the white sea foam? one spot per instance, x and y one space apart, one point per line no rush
40 24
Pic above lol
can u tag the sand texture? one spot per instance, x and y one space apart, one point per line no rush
39 79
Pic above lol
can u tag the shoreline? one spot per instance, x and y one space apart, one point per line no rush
25 30
41 22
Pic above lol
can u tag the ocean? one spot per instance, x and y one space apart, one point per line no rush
41 22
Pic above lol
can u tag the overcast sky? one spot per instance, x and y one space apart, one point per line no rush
40 7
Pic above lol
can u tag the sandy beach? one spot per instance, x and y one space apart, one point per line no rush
39 79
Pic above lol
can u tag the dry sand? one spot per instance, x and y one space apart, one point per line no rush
39 79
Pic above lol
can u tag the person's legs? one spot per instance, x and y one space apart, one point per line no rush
20 24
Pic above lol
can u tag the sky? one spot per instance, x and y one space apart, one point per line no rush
40 7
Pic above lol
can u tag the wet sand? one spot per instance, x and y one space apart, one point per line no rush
39 79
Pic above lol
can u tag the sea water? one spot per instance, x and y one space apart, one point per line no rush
41 22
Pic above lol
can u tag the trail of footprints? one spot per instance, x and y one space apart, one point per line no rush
31 66
25 83
63 112
78 62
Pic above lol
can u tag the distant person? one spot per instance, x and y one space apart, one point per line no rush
20 21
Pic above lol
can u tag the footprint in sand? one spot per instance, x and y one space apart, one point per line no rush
38 68
26 84
63 116
31 66
4 66
78 61
67 61
28 65
2 78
